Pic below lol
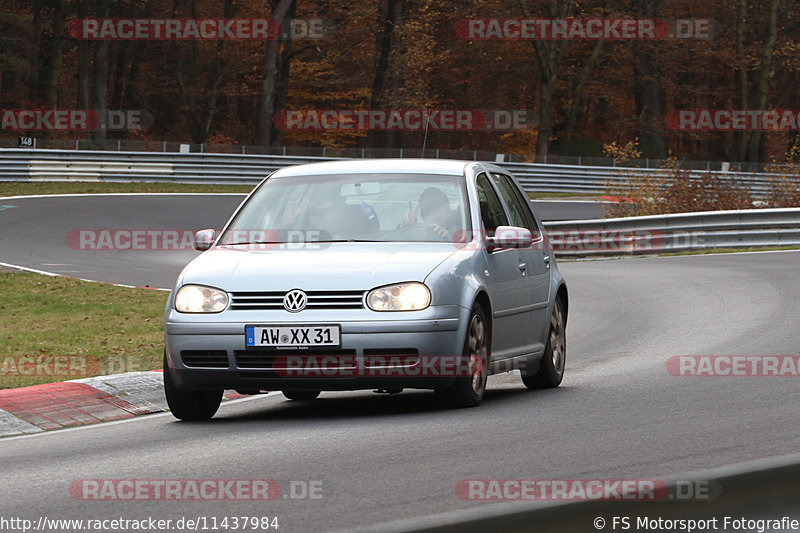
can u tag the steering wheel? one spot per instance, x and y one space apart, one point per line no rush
433 230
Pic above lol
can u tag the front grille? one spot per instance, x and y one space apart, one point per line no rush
316 300
266 358
205 358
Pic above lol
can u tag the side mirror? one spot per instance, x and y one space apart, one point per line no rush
509 237
204 238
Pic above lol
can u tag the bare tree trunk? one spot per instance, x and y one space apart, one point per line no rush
577 95
284 74
385 43
549 54
139 50
269 84
229 11
547 82
755 151
56 55
101 77
36 49
742 137
648 90
83 65
120 66
201 114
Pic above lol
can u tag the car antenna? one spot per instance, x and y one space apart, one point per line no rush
425 138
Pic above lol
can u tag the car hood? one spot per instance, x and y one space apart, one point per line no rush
332 266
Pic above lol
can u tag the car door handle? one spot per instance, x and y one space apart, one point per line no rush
523 266
547 261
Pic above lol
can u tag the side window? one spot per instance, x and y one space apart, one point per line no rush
520 213
492 214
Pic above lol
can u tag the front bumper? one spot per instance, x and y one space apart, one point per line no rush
378 350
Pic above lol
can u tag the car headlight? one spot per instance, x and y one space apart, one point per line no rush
200 299
411 296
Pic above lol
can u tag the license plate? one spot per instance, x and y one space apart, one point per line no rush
292 336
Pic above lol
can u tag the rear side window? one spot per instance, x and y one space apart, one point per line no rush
514 199
492 214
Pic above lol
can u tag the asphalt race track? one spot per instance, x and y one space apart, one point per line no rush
34 231
618 414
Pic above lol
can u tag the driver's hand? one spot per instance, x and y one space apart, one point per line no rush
439 230
410 216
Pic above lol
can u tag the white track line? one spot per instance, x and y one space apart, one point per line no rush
57 275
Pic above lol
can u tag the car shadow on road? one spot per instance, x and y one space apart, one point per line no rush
423 404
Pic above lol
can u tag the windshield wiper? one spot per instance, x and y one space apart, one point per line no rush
254 242
345 240
296 242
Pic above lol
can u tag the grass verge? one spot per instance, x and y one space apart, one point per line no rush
13 188
56 329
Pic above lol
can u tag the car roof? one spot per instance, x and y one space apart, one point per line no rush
371 166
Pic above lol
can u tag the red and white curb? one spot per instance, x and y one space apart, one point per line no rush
80 402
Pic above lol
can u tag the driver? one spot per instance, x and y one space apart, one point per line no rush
434 207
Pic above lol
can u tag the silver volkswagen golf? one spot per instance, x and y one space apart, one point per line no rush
371 274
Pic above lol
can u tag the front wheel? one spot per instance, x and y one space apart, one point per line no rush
195 405
551 369
468 391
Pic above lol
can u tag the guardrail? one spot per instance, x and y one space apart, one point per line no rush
219 168
595 180
630 235
64 165
678 232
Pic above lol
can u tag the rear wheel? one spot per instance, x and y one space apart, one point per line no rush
551 369
468 391
195 405
301 395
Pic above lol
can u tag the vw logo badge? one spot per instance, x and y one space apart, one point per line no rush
295 300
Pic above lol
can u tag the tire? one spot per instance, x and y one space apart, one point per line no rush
301 395
551 369
248 392
195 405
468 391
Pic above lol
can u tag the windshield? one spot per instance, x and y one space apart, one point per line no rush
362 207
